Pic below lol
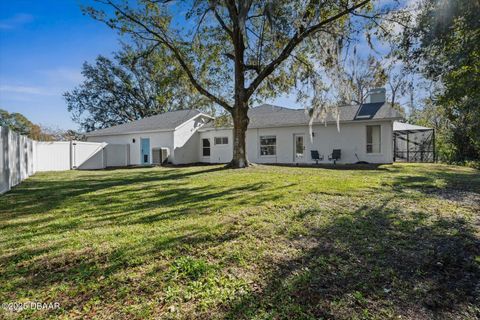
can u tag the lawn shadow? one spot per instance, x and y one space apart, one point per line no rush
331 166
89 271
372 261
460 187
39 196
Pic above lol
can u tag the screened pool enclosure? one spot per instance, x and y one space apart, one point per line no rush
412 143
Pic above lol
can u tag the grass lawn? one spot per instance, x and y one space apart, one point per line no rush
261 243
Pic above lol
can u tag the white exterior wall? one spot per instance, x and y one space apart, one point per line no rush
186 141
181 142
218 153
163 139
351 139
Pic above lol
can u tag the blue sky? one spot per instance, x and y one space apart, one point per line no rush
43 45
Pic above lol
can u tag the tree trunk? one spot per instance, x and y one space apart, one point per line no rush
240 109
240 125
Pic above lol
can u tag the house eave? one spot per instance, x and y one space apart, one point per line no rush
304 124
149 130
128 132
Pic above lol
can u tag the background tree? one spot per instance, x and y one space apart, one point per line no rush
20 124
444 43
234 52
139 82
363 75
16 122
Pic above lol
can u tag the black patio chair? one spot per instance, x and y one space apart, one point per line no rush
336 155
316 156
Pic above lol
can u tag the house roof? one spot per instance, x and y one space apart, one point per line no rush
267 115
400 126
161 122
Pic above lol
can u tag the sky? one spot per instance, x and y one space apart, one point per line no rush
43 45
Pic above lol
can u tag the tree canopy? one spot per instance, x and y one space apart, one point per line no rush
22 125
443 41
234 52
139 81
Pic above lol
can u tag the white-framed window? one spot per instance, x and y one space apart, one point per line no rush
205 147
374 140
220 140
268 145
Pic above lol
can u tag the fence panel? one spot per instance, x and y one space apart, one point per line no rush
4 169
88 155
21 157
117 155
16 161
53 156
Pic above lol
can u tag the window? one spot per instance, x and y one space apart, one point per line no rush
206 147
373 139
221 140
268 146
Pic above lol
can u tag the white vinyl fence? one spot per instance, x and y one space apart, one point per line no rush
17 160
66 155
22 157
117 155
52 156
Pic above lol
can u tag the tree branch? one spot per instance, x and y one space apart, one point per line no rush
222 23
177 54
292 44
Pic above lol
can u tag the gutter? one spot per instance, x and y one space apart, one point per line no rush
303 124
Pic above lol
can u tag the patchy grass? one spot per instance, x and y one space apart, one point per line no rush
260 243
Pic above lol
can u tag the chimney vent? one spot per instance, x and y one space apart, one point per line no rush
376 95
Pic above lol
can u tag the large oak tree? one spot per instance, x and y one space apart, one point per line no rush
236 51
139 81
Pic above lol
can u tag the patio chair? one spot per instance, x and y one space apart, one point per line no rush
336 155
316 156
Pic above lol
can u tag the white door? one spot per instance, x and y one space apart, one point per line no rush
299 147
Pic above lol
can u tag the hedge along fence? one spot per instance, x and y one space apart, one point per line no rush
22 157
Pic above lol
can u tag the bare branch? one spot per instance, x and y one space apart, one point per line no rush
292 44
163 39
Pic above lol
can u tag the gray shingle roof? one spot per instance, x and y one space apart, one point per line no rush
267 116
164 121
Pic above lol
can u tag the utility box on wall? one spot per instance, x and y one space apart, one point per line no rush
160 155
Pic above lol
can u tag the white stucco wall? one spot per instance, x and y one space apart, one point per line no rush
351 139
162 139
186 141
218 153
182 143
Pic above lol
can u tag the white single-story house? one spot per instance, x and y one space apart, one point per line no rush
275 135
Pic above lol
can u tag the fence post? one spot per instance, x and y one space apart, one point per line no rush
71 155
408 147
434 149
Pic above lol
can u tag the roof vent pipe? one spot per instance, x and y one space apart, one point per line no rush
376 95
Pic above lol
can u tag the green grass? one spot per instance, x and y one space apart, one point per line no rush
261 243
